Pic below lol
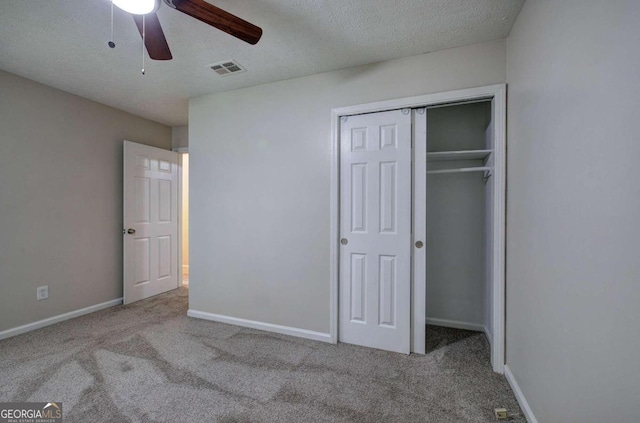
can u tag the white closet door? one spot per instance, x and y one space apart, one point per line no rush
375 230
419 286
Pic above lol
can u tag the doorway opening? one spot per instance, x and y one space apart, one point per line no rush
184 211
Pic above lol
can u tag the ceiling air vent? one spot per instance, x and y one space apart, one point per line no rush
228 67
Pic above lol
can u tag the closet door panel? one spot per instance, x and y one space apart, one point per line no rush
375 228
388 197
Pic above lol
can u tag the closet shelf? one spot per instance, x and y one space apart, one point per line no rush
462 170
458 155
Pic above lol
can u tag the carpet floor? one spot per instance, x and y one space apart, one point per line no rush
149 362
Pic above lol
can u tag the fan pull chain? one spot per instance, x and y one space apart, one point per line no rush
143 42
111 43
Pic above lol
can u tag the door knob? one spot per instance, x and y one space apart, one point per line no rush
131 231
344 241
419 244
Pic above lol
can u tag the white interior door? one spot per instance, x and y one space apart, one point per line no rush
375 231
150 221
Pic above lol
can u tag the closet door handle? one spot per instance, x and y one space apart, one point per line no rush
344 241
419 244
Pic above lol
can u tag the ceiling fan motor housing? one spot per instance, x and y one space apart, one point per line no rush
170 3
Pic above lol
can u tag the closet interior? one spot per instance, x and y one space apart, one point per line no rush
459 216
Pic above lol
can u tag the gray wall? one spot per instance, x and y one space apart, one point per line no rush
573 228
456 217
180 136
61 198
260 170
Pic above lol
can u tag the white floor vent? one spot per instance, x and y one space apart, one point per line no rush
228 67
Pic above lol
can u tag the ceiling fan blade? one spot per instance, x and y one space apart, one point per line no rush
220 19
154 39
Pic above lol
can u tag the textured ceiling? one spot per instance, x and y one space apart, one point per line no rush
63 43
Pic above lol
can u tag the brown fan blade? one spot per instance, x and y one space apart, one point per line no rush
220 19
154 39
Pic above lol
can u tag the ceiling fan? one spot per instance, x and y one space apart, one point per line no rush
144 14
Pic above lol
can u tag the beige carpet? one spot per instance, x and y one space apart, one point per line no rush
148 362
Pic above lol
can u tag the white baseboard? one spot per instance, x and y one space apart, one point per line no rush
269 327
524 405
57 319
455 324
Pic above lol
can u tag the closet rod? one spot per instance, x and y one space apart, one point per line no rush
462 170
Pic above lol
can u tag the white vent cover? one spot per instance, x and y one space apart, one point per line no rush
228 67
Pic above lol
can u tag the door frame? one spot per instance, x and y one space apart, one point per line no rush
497 93
181 151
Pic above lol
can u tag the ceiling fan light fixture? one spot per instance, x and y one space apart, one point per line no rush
138 7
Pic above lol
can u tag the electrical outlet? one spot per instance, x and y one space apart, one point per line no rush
501 413
42 292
